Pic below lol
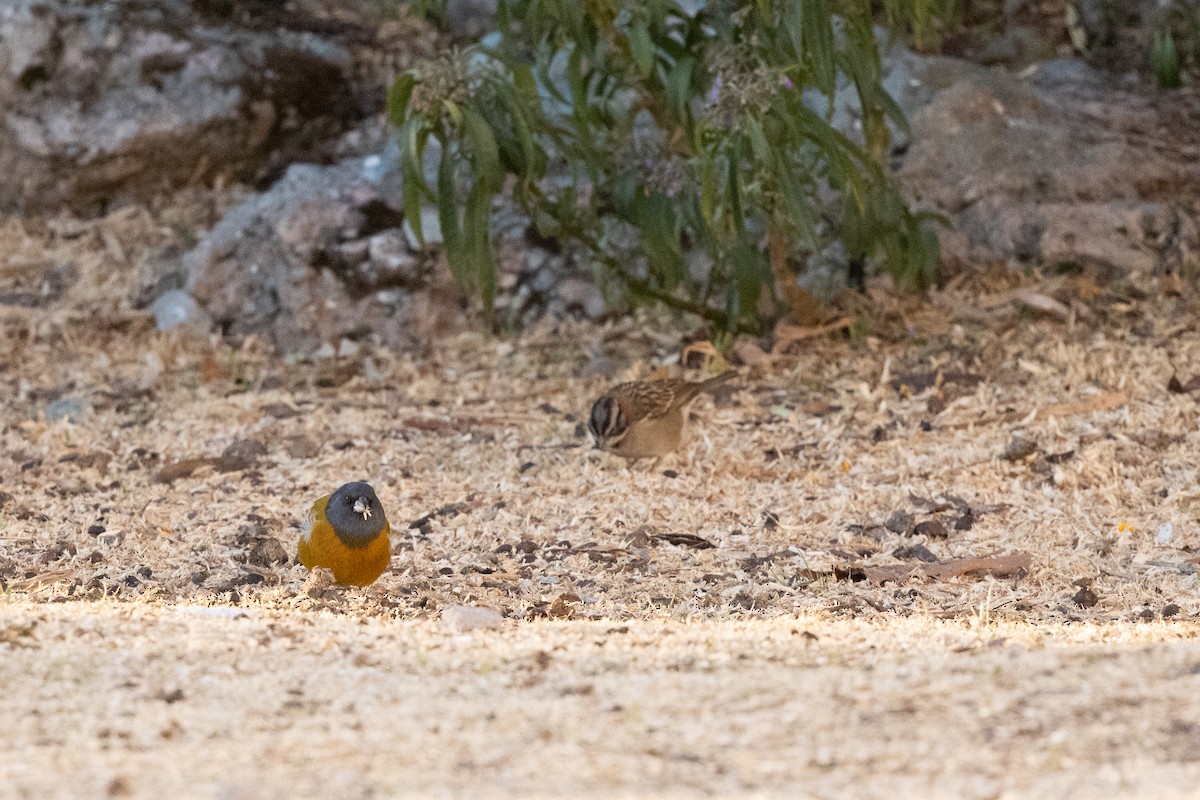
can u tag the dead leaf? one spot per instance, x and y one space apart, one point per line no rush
183 468
40 581
563 606
787 334
1175 386
1019 448
18 634
241 454
818 408
684 540
1043 303
803 306
1086 597
280 410
932 529
1096 402
301 446
918 552
1003 566
750 354
1170 285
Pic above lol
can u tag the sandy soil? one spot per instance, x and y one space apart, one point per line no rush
154 700
947 551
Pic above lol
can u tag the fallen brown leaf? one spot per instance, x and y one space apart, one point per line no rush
750 354
787 334
998 566
1175 386
1097 402
183 468
684 540
1044 303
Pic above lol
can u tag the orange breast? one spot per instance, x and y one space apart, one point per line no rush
352 566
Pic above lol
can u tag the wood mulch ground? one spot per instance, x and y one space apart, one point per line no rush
947 549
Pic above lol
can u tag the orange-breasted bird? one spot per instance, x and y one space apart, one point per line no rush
347 532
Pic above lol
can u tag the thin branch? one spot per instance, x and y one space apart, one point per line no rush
641 286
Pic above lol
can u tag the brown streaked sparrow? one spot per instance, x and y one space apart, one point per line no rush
645 419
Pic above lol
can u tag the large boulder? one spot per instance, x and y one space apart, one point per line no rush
317 260
1061 165
324 258
105 101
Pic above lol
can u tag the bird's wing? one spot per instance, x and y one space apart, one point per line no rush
316 512
646 399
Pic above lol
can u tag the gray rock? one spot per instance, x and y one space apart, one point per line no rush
1056 167
68 408
582 295
176 308
317 262
100 101
459 619
544 279
470 19
259 268
390 262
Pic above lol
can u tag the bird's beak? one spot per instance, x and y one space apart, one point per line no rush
362 506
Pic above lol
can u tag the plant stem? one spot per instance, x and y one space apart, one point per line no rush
713 315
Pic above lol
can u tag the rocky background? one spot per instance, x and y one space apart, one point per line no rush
1045 144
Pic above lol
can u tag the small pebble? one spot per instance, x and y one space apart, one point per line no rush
458 619
68 408
899 522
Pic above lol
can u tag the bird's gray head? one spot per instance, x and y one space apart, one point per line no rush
356 514
607 422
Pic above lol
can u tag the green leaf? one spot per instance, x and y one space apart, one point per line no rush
708 191
477 265
485 155
793 23
1164 60
758 142
656 218
626 188
412 138
817 26
679 86
447 205
894 112
575 80
411 193
641 48
398 96
735 185
799 205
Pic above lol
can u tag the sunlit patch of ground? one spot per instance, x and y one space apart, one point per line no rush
952 554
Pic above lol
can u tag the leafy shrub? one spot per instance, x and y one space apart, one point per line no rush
1175 43
677 145
927 19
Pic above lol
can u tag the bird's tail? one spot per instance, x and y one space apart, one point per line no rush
717 380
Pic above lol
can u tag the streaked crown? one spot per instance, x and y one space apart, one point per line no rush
607 421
